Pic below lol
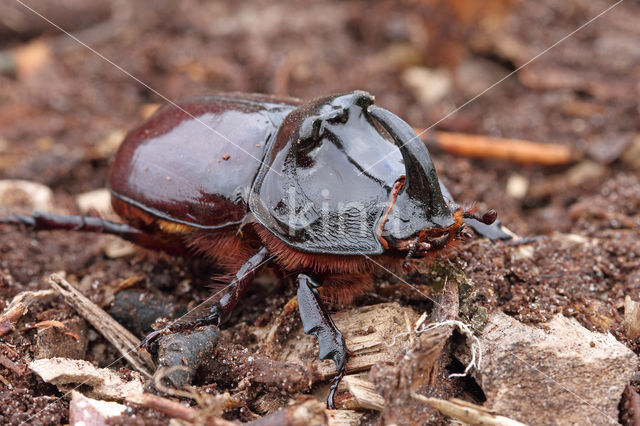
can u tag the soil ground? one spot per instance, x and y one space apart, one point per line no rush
60 111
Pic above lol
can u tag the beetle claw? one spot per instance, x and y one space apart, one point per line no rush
151 338
332 389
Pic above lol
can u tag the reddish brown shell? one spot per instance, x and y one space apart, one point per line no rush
197 167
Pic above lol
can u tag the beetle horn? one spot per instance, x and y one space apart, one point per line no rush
422 181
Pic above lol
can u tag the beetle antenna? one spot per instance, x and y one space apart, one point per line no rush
406 265
487 218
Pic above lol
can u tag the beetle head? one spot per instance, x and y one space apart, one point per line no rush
320 189
424 219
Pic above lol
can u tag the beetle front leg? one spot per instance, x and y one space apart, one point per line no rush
316 320
221 310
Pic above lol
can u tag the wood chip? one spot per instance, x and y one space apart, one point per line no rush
30 58
364 393
309 412
372 333
102 383
126 343
25 196
343 417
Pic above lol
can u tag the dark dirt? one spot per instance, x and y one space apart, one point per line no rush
58 116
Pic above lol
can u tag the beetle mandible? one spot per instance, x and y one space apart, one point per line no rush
315 198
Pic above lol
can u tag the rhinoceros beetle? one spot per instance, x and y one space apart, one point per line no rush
242 179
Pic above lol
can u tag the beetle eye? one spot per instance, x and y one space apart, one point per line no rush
310 133
313 128
340 116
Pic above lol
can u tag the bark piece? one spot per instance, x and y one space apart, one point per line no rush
18 369
101 383
89 411
117 335
416 370
137 309
421 368
560 373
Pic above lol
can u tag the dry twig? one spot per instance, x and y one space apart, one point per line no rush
516 150
126 343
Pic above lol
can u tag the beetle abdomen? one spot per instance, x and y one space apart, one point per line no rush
196 167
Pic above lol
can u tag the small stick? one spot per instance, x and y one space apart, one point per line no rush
466 411
12 366
164 405
126 343
177 410
5 381
516 150
10 317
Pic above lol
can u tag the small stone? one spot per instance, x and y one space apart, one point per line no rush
98 200
25 196
631 155
89 411
517 186
429 85
631 318
559 374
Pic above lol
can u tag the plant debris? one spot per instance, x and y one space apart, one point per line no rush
554 148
